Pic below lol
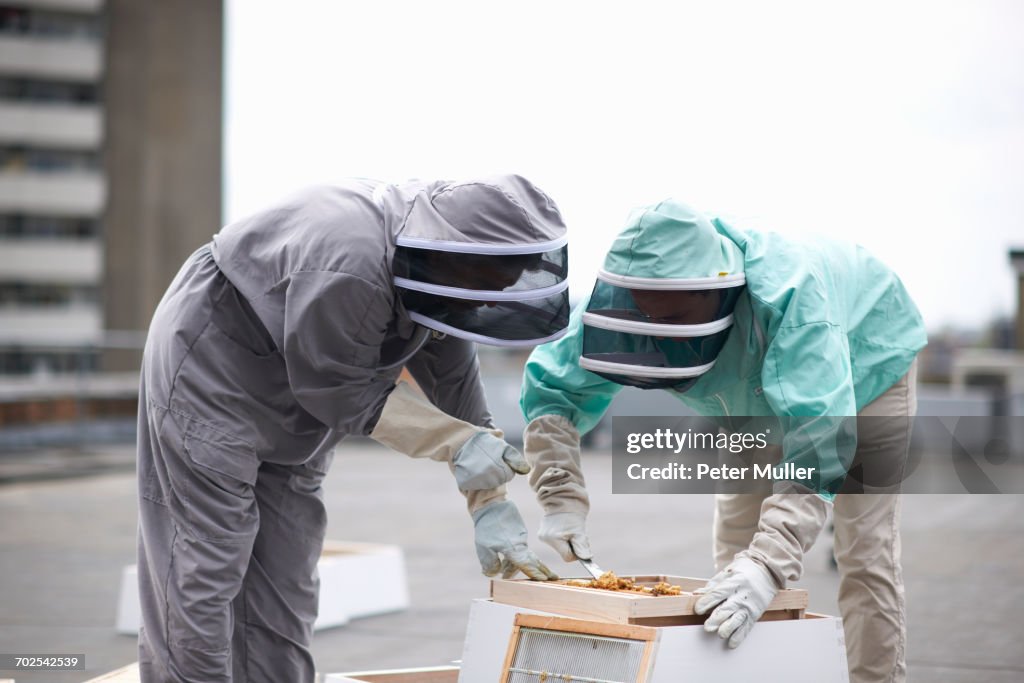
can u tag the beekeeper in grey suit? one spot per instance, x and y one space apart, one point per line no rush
282 336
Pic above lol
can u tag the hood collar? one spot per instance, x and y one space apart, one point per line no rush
672 241
497 214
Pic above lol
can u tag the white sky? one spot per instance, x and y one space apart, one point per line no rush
898 125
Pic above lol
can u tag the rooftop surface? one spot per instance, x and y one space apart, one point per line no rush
65 541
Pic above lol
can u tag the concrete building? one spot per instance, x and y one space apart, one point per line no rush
163 95
52 186
110 175
110 171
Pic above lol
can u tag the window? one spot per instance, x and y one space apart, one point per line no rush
31 90
24 361
44 295
47 160
60 227
48 24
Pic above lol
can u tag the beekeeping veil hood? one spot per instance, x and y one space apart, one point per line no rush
485 260
662 305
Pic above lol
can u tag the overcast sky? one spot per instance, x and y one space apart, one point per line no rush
897 125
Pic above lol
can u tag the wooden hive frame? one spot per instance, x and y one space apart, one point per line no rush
623 607
435 674
644 634
126 674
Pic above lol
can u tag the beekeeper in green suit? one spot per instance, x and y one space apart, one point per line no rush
742 323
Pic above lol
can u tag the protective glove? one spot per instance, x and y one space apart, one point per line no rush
566 533
552 446
742 592
485 462
479 457
501 543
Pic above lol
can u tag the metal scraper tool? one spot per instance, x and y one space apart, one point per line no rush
589 565
592 568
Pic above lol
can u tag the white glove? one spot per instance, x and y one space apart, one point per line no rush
742 592
501 543
566 532
479 457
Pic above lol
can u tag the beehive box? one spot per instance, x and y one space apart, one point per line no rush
623 607
807 650
360 580
439 674
356 580
126 674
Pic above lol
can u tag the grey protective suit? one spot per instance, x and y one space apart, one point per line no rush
272 344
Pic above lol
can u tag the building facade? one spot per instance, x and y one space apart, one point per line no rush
110 172
110 175
52 186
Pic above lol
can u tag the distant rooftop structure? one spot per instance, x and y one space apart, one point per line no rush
1017 260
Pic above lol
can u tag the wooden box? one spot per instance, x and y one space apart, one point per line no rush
623 607
437 674
126 674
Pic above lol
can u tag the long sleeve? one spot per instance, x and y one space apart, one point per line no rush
334 324
555 384
561 401
448 372
808 383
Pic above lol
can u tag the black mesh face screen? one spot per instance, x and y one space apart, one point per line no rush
499 273
692 307
515 321
655 339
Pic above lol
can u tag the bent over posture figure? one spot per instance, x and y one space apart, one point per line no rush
739 323
282 336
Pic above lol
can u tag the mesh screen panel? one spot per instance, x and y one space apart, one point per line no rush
544 656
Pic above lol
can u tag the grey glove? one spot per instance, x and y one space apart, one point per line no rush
486 462
501 543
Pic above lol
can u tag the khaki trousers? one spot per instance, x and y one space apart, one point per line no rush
867 546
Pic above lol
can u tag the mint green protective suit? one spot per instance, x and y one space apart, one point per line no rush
822 329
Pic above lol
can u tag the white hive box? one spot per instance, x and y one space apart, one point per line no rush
808 650
361 580
356 580
129 616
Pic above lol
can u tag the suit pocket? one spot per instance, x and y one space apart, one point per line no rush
220 501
